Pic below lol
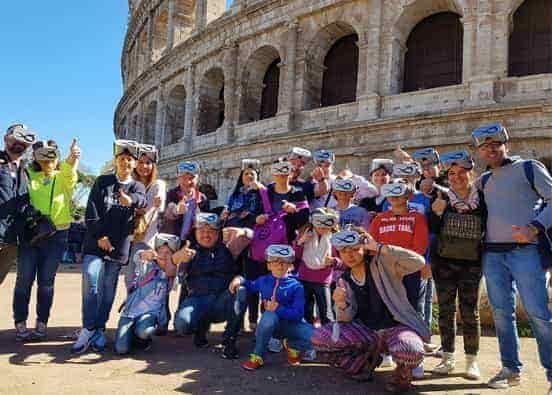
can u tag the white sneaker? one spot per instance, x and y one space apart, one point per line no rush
472 368
86 338
275 345
504 379
387 361
418 371
447 364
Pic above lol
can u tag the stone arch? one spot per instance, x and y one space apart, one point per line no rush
150 119
315 57
160 34
211 101
175 113
434 53
530 41
260 85
412 13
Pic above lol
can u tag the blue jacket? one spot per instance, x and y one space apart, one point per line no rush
14 200
290 295
210 271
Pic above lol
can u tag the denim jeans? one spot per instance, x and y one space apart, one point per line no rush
319 293
504 273
99 285
8 256
428 302
40 262
128 329
298 334
197 313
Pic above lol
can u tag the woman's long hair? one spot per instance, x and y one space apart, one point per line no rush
150 180
239 184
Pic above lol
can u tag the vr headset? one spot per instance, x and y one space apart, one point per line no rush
283 252
406 170
490 133
460 158
427 156
379 163
324 156
297 152
254 164
396 189
187 167
150 151
281 168
171 241
21 134
130 147
341 185
209 219
45 150
321 218
346 238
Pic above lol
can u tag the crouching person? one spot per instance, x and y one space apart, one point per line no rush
145 307
284 304
207 269
373 313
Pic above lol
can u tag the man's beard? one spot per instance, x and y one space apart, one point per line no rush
16 148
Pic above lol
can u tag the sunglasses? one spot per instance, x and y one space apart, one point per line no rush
493 133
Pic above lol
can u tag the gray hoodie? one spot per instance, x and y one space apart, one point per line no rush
511 200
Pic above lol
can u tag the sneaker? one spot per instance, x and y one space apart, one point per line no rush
200 341
418 371
504 379
99 342
472 368
21 332
230 351
293 355
387 361
86 337
309 355
40 331
253 363
144 345
275 345
447 364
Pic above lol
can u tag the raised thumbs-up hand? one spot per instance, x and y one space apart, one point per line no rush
523 234
439 205
184 255
340 293
74 153
181 207
124 199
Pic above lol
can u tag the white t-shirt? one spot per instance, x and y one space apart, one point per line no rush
158 188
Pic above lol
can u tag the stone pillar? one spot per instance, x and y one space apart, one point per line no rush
287 100
170 24
392 62
151 29
369 101
159 138
501 34
230 86
141 121
469 45
189 109
200 15
482 78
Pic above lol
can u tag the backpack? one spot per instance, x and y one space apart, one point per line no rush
545 237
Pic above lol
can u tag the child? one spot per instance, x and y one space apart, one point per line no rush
349 214
284 302
145 307
380 174
314 251
244 203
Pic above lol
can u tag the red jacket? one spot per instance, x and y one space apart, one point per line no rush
408 231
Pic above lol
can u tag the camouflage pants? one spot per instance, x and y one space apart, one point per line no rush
452 279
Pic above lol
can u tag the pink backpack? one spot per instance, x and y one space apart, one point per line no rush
272 232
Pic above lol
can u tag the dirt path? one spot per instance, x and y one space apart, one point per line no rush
175 365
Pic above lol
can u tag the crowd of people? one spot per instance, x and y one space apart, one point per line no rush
333 267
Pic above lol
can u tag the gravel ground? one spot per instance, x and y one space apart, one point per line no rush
174 365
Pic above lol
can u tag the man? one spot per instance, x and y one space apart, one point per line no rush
13 192
512 188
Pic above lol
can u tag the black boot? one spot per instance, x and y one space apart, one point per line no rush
230 351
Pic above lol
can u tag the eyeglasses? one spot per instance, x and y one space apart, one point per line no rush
493 133
130 147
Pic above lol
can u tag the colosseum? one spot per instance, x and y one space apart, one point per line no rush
217 84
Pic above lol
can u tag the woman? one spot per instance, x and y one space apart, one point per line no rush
51 185
147 221
458 274
373 313
380 174
244 203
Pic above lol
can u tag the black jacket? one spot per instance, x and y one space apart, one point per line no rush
14 200
106 217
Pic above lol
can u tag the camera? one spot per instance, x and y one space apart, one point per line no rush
38 227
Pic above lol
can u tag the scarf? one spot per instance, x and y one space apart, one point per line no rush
464 205
316 250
